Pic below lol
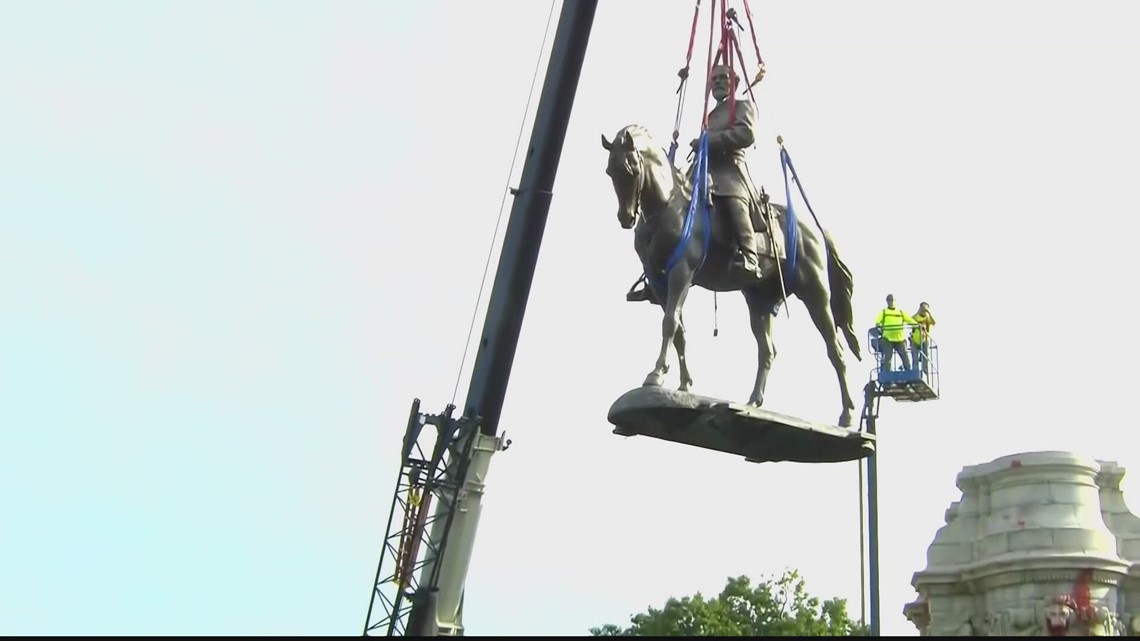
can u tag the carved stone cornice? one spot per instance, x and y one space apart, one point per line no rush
1031 533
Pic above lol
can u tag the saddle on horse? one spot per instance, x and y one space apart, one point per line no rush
767 246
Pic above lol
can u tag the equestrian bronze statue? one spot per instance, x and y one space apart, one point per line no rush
745 251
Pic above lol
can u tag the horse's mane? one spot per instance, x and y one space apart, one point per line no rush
644 142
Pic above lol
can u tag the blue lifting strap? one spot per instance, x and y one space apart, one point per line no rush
698 206
791 230
786 163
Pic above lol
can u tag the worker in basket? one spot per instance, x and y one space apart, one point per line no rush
920 336
892 323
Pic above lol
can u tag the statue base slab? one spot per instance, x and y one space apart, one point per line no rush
759 435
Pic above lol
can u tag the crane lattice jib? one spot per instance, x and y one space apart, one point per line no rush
426 491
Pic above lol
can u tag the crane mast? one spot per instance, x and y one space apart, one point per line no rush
455 473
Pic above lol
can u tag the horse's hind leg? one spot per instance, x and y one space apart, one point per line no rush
679 281
815 295
682 361
760 317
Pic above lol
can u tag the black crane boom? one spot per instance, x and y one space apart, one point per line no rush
527 223
451 472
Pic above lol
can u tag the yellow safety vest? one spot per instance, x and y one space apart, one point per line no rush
920 332
893 322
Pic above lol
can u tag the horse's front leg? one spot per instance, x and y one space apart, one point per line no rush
678 290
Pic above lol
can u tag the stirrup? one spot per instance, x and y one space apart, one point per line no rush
643 294
635 295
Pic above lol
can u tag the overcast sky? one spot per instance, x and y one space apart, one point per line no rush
236 241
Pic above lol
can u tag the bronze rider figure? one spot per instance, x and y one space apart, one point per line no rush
734 197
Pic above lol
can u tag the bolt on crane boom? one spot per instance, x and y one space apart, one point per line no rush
455 473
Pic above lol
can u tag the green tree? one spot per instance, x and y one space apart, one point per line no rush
778 607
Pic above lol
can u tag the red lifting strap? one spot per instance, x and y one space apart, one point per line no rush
743 71
727 37
752 30
708 71
728 52
684 73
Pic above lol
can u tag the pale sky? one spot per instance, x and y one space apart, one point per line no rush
232 251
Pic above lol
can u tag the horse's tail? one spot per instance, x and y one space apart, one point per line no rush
842 285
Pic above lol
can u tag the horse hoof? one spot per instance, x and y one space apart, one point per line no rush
755 402
845 420
685 386
654 379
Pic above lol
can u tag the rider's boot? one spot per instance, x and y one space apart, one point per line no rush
746 260
744 257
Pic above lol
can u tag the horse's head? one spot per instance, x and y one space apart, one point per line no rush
639 171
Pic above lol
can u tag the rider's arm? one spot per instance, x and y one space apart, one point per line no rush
741 134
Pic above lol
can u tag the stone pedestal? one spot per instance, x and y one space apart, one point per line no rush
1040 544
757 434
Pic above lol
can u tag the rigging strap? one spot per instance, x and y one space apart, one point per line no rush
786 161
698 206
790 225
681 88
752 29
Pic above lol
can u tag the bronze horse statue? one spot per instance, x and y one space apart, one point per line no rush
655 196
